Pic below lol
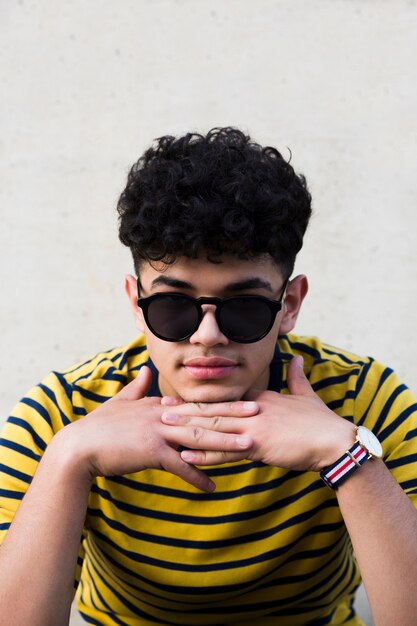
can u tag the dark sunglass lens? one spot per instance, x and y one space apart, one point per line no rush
172 317
245 319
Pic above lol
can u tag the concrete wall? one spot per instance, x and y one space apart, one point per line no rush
87 85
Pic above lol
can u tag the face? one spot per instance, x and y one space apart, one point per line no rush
209 367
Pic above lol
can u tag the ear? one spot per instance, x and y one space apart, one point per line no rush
131 289
295 293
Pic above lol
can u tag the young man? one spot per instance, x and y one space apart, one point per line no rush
212 468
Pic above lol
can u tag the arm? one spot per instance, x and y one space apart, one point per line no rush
298 431
382 524
38 556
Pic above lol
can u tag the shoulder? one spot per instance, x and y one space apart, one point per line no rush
317 354
359 388
64 396
112 364
336 375
324 361
102 376
336 370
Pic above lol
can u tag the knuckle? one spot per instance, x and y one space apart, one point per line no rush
157 447
227 443
216 422
205 409
197 433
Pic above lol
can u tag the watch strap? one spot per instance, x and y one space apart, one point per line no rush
336 473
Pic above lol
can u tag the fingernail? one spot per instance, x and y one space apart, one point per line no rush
243 441
168 401
250 406
299 361
188 456
170 417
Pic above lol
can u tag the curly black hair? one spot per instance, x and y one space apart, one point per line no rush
215 194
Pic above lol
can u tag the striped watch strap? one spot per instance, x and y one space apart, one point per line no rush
343 467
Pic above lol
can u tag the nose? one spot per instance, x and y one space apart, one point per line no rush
208 333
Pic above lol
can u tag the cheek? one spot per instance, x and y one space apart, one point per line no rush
161 352
277 324
263 355
140 322
257 356
263 351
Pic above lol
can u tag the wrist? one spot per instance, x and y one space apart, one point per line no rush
66 453
366 446
340 439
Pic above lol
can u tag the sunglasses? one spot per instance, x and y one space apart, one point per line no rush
177 316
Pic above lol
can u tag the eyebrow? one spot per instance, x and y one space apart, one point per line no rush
239 285
250 283
167 281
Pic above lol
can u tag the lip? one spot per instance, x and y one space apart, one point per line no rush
209 361
211 367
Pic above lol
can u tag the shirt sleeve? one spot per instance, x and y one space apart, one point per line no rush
27 432
388 408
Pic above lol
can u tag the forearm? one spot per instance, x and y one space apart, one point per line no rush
382 524
39 554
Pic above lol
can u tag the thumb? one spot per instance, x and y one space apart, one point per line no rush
138 387
296 379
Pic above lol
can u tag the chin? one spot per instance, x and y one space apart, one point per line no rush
209 396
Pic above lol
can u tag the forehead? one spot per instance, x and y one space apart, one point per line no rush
203 275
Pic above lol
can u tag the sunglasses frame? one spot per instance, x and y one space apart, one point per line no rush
274 306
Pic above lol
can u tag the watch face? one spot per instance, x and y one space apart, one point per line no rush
369 441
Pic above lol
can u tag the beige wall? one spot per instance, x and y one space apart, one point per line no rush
86 86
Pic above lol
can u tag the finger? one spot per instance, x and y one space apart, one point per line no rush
196 437
204 457
297 380
229 409
217 423
136 389
171 401
176 465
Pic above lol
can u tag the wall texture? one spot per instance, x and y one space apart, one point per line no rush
87 85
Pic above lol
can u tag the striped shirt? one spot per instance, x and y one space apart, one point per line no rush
269 546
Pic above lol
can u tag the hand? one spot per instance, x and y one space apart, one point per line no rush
126 435
296 431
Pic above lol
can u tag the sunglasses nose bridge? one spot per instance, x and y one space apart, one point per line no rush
208 307
211 308
208 331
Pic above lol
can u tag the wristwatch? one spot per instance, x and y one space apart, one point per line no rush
366 447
